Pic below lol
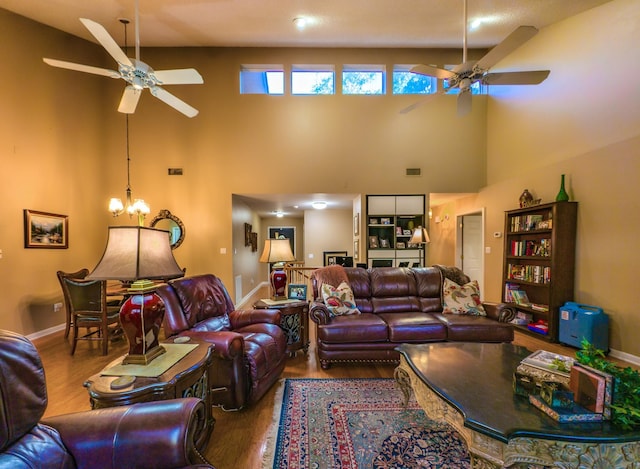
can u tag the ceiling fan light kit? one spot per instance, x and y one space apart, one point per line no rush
136 73
466 74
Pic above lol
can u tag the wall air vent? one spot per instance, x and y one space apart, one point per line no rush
413 172
175 171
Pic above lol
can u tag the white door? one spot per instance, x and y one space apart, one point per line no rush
470 239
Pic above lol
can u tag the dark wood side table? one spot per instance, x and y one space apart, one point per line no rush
294 321
189 377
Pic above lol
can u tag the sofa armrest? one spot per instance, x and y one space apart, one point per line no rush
319 313
246 317
160 434
501 312
227 344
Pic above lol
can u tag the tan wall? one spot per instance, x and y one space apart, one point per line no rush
582 122
327 230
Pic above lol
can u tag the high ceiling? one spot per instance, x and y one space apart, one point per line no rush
333 23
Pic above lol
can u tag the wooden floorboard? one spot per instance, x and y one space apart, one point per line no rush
239 438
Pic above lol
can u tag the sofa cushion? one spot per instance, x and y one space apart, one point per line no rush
215 324
392 282
339 300
358 328
462 299
467 328
414 327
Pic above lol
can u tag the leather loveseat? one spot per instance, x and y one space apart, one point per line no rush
250 346
159 434
397 305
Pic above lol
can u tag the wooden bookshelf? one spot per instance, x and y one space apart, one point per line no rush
539 259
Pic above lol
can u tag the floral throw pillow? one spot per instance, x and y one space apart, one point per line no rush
462 299
339 301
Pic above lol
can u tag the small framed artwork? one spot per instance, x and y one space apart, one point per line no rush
399 230
384 243
373 242
356 250
406 232
297 291
374 221
356 224
45 230
247 234
400 245
330 256
385 221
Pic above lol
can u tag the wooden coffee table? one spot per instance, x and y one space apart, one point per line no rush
469 385
189 377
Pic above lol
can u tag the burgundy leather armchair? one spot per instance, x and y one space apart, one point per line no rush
250 346
152 434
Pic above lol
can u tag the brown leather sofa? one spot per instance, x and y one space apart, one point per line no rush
152 434
397 305
250 346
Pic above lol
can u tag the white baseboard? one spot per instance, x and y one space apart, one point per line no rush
46 332
627 357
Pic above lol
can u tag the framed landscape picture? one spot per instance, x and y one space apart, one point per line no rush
45 230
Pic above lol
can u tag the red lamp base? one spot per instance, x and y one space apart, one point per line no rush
278 284
141 318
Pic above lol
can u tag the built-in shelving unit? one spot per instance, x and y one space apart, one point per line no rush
390 222
539 260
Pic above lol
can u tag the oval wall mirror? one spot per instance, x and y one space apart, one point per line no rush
165 220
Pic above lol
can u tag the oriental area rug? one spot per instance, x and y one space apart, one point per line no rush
357 424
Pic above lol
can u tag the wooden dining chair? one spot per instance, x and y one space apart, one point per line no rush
79 275
87 300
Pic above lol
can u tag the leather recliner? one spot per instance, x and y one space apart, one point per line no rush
158 434
250 345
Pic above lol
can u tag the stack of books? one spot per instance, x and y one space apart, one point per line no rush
566 390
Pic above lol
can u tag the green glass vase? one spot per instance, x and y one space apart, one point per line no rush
562 195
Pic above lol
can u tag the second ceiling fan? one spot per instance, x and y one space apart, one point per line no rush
464 75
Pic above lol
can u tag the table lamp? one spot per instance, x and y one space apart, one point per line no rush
420 236
277 252
139 255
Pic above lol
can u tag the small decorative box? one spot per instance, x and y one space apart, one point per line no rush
555 395
523 385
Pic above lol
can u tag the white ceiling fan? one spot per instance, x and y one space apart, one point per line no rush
136 73
467 73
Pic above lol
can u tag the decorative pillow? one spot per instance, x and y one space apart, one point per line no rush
462 299
339 301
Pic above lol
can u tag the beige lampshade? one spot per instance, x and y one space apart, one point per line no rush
420 236
134 253
277 250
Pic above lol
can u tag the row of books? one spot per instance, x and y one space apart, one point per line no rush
521 223
586 397
529 273
534 248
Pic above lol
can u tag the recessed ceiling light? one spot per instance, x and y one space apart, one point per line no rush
319 205
300 22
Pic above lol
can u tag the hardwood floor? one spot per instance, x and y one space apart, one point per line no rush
239 438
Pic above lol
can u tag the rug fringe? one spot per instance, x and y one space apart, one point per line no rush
272 433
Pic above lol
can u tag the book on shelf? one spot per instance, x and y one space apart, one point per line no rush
539 307
520 297
550 361
574 414
508 289
522 318
539 327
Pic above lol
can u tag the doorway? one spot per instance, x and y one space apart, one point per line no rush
469 245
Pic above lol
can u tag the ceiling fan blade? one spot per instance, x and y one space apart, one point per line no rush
107 41
129 100
173 101
430 71
184 76
514 40
464 102
82 68
533 77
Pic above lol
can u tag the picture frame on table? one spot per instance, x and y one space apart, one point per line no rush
398 230
45 230
330 256
297 291
400 245
385 221
373 242
384 243
374 221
